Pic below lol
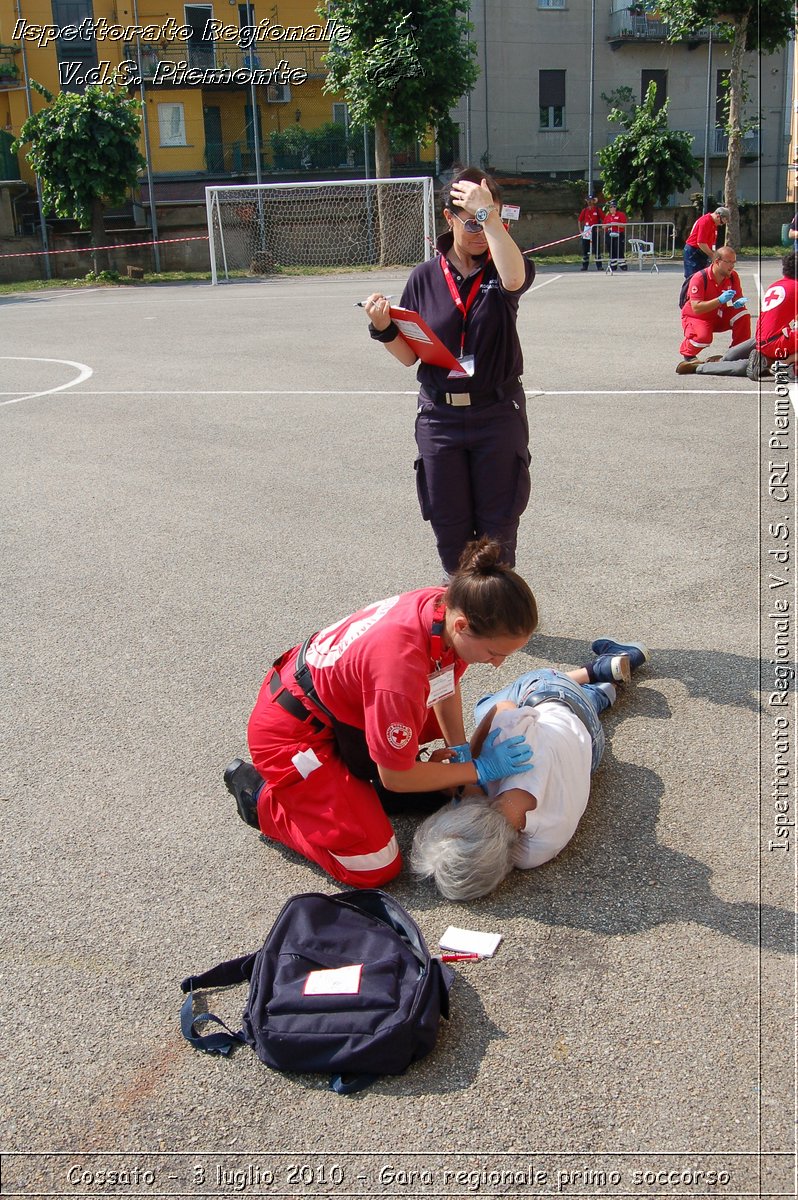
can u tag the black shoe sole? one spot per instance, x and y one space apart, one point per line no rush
245 802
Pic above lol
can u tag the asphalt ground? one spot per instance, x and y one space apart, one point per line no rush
223 471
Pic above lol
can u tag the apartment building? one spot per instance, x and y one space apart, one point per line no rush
530 112
225 84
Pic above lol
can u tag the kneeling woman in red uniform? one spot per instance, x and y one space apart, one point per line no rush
339 721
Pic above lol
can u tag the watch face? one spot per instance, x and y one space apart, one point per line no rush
481 214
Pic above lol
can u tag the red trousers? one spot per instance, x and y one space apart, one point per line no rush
699 331
313 803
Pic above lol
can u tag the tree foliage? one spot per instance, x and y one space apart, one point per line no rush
404 64
647 162
84 149
768 23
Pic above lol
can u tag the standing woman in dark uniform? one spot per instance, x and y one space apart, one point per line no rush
472 470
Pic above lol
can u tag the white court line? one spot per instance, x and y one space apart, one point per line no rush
84 372
534 395
538 286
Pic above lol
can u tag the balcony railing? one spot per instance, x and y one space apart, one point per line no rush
9 71
719 142
226 56
636 24
750 143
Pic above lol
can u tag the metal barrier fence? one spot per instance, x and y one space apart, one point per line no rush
643 242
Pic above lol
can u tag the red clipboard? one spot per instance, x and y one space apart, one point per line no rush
428 346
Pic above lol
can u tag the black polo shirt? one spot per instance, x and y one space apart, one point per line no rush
490 326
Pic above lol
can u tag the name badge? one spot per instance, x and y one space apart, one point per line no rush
441 685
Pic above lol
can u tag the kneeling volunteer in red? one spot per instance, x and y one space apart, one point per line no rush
333 737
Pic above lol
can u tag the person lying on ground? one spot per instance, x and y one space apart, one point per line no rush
472 844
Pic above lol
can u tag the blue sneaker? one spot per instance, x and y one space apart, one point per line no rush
611 668
636 651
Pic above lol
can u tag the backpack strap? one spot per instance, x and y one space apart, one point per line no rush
236 970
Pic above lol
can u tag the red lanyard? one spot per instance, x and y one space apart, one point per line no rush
436 640
458 299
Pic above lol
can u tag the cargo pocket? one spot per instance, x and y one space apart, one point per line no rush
421 488
523 484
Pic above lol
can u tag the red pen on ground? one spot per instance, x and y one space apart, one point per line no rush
458 957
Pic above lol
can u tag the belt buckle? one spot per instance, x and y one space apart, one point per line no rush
459 399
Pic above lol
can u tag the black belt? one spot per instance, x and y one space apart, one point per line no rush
470 399
290 702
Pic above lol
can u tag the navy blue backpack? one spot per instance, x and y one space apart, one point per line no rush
390 1021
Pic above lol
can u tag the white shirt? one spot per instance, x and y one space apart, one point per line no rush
559 779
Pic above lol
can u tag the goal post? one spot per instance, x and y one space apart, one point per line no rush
259 228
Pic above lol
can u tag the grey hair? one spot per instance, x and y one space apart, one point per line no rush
467 849
722 211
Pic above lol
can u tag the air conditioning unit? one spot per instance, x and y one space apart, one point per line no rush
278 93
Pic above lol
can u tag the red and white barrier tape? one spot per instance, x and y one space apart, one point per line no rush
546 245
115 246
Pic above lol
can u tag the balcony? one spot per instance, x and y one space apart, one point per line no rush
637 24
9 71
224 56
719 147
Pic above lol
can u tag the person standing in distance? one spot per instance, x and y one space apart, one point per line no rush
591 218
472 468
615 224
702 239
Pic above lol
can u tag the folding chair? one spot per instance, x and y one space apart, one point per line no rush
643 250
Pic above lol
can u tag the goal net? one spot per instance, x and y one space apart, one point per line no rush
348 223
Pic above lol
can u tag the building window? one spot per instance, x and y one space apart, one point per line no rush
200 41
172 124
77 54
551 3
340 115
551 98
660 78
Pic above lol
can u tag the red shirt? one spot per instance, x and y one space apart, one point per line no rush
591 216
779 308
704 230
615 221
704 286
372 671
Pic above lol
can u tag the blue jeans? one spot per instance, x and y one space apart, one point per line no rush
587 700
694 260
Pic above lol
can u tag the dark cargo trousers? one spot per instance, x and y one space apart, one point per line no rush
472 471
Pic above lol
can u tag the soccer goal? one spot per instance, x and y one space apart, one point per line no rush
346 223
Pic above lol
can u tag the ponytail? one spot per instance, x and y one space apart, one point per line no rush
493 599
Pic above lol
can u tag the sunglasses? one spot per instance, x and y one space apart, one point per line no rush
470 226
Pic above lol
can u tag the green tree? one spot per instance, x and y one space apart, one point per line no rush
763 25
403 66
647 161
84 149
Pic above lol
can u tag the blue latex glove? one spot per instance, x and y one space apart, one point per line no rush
460 753
741 303
726 296
510 757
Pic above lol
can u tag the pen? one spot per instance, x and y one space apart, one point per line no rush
362 303
458 957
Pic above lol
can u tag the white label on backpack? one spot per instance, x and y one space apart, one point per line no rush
340 981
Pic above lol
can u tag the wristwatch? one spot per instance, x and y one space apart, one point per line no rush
482 214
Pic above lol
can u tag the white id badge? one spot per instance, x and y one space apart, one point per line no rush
441 685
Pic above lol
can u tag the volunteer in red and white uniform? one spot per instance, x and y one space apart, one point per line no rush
591 218
714 304
702 239
615 225
777 327
332 739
